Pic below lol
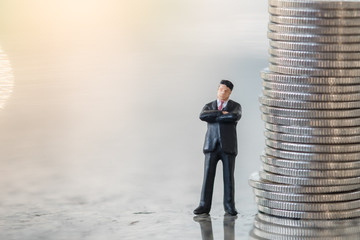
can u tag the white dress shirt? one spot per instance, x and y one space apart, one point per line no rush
224 104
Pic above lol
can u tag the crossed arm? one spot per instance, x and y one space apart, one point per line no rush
210 115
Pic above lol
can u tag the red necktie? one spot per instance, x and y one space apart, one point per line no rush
221 105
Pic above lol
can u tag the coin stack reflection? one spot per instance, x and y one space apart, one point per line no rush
270 227
311 109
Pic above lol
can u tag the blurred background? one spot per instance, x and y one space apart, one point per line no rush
99 120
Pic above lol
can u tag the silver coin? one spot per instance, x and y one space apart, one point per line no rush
267 75
307 105
338 223
350 97
311 215
318 4
278 36
314 63
308 181
311 88
330 13
311 114
319 47
259 234
311 139
297 113
309 165
314 55
320 157
313 148
290 20
311 173
305 198
313 131
309 207
302 122
314 30
316 72
253 236
256 182
304 232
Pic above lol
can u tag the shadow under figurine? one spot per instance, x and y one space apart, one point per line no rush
221 116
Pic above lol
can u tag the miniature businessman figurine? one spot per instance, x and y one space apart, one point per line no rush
221 116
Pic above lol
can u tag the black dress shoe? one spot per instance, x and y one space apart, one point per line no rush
231 211
201 210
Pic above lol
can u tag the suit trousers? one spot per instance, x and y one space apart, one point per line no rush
211 160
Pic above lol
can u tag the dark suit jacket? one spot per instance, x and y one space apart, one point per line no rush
221 127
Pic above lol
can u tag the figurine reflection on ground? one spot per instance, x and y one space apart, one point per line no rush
221 116
206 226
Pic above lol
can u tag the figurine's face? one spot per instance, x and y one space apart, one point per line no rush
223 93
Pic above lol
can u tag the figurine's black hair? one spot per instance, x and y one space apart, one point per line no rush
228 84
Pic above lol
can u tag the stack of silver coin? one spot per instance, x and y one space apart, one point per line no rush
311 108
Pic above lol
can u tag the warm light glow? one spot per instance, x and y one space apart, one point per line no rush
6 79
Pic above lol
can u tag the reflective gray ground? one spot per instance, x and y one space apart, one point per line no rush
100 138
